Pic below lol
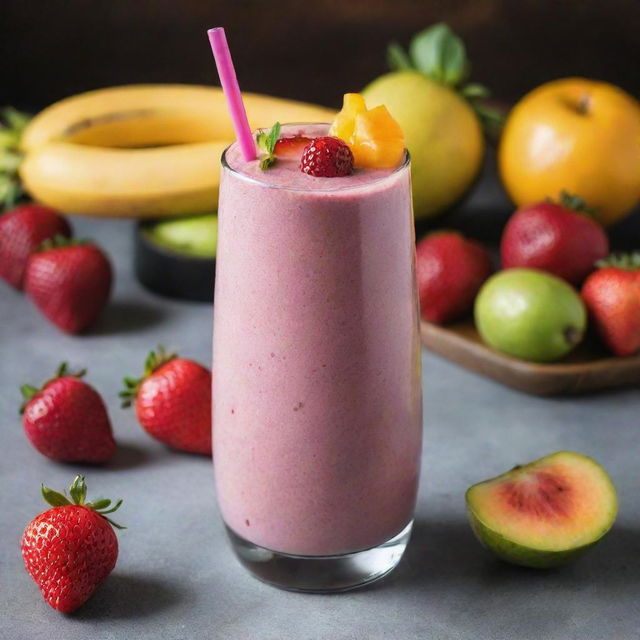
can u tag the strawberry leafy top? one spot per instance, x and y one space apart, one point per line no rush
155 359
266 141
575 203
28 390
78 493
624 261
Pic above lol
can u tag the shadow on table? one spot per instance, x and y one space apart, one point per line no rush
125 596
128 456
448 552
124 316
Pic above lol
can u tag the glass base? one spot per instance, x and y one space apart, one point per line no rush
320 574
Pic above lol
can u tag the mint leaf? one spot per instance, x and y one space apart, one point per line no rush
272 138
261 140
266 141
397 57
267 162
440 54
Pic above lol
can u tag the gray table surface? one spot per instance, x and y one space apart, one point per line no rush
176 577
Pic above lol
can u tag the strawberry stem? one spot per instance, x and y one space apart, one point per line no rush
624 261
154 361
29 391
59 241
78 493
575 203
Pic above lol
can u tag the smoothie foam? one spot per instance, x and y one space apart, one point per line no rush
317 396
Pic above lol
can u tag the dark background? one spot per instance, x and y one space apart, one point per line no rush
309 49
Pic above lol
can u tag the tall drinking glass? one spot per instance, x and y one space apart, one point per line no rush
317 392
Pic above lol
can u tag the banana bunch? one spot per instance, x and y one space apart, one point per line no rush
140 150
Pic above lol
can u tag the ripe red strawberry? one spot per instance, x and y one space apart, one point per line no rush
561 238
70 549
450 270
66 420
327 157
291 147
70 283
612 296
22 231
173 401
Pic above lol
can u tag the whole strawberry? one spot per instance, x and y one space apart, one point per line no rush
561 238
327 157
70 549
22 231
450 270
173 401
69 282
612 296
66 420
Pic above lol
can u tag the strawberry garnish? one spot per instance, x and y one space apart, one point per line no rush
327 157
70 549
67 420
291 147
173 401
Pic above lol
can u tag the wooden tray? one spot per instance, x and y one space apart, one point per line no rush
587 369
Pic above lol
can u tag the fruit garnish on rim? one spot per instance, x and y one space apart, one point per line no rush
291 146
266 141
374 137
327 157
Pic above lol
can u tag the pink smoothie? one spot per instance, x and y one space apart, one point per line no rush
317 395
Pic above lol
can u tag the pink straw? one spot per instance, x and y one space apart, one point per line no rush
229 83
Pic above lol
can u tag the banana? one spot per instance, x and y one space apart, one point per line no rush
162 181
140 150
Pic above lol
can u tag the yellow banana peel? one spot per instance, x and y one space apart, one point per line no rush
140 150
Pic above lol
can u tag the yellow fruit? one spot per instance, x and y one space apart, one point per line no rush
86 154
154 114
441 131
574 134
378 141
101 181
375 138
344 122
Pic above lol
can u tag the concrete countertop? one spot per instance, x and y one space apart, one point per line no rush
176 577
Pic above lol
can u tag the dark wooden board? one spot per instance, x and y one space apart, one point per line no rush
587 369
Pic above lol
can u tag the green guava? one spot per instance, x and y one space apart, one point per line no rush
545 513
530 314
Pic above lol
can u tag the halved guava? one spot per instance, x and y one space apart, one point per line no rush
546 512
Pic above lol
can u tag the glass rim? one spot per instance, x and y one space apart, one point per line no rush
406 161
